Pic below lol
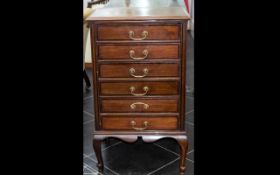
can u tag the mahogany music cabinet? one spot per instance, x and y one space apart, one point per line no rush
139 72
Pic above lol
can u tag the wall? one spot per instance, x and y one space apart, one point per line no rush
85 3
192 20
88 53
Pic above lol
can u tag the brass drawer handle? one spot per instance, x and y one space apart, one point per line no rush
145 88
144 35
132 71
133 123
133 105
132 55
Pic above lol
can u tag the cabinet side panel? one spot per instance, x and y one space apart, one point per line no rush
183 72
95 72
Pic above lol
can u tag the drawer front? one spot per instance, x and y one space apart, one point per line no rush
140 124
144 88
138 70
138 32
139 105
138 52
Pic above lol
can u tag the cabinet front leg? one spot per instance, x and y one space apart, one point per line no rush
97 149
183 142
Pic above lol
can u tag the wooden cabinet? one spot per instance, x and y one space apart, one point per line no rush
139 67
140 31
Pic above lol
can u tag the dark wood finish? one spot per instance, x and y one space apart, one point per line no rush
183 74
97 149
140 114
160 112
183 142
120 32
156 51
149 79
170 105
95 76
155 88
123 70
124 123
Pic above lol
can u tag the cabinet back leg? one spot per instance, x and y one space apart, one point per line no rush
97 149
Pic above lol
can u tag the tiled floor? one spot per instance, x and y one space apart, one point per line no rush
158 158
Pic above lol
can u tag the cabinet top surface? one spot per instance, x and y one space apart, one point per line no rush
139 9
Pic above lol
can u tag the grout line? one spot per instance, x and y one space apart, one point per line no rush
86 98
173 151
88 121
92 170
86 166
189 112
163 166
105 166
86 156
190 151
190 160
103 149
166 149
111 146
88 113
190 123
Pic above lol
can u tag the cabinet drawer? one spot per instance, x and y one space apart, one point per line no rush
138 70
138 52
139 124
139 105
138 32
142 88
